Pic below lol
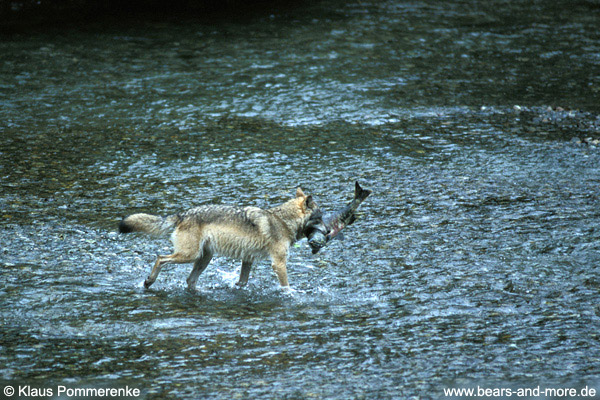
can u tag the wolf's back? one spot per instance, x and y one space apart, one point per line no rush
147 223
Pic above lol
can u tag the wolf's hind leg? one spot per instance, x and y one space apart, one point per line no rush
245 273
199 266
175 258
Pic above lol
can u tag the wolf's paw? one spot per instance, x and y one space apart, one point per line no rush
240 284
287 290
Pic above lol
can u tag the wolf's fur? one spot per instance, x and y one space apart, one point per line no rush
245 233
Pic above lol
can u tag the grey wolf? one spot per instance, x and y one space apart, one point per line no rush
248 234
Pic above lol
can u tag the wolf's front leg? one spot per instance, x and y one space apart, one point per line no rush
279 266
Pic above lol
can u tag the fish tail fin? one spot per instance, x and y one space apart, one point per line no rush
360 193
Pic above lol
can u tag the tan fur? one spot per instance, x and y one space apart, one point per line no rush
248 234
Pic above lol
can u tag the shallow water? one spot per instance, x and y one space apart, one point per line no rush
475 262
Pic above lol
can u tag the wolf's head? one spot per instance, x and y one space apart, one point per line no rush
296 212
305 203
311 214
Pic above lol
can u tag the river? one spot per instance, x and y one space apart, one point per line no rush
474 263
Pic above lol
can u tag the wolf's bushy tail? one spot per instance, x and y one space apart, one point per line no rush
148 223
360 193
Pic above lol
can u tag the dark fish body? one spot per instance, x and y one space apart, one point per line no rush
324 228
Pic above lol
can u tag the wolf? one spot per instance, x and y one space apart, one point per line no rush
248 234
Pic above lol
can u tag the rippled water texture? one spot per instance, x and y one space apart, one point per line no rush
475 262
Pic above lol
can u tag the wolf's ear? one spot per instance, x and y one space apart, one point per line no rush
307 204
300 193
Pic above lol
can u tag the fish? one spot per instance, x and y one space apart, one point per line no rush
321 229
